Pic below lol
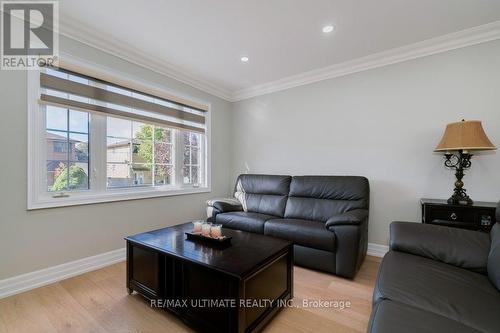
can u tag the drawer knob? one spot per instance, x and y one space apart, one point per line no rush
453 216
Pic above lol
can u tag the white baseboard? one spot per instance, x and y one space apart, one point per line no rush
377 250
32 280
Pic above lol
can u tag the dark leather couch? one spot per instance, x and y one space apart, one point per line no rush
438 279
325 216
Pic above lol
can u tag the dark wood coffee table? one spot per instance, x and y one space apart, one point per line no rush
212 288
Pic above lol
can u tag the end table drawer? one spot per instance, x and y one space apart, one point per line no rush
478 216
452 215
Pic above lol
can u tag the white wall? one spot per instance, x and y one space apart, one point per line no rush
382 124
31 240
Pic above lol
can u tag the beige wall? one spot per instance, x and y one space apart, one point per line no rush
31 240
382 124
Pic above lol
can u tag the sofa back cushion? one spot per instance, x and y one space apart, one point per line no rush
494 255
321 197
265 194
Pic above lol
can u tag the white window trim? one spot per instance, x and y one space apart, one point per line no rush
38 198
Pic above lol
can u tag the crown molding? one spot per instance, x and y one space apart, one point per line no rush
456 40
102 41
476 35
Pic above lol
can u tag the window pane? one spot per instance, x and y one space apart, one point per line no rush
187 155
163 153
190 175
60 178
78 121
142 152
186 175
163 174
56 181
185 138
119 128
79 148
194 155
118 151
118 175
57 145
142 175
126 175
57 118
191 159
194 175
195 139
67 153
142 131
60 147
163 135
78 176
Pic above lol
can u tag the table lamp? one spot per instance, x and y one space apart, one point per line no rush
459 139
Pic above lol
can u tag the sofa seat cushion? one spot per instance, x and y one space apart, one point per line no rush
246 221
302 232
389 316
446 290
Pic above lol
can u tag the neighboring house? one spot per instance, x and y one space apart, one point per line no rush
60 151
120 170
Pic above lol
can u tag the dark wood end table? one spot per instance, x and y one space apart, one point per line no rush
478 216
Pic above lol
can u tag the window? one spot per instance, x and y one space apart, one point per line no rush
138 154
93 141
67 142
191 165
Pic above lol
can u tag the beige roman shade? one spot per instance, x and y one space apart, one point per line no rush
73 90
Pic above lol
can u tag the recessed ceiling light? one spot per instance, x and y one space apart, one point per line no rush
244 59
327 29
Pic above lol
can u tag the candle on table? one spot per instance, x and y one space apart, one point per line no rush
205 229
197 226
215 231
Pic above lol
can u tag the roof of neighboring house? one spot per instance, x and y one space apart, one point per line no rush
119 144
53 165
52 136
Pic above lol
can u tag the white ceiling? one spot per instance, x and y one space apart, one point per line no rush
205 39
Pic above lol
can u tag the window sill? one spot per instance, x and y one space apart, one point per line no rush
83 198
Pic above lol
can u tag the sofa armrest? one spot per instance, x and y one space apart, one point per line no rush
459 247
216 206
225 205
352 217
351 242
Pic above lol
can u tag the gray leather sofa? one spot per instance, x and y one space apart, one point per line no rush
438 279
325 216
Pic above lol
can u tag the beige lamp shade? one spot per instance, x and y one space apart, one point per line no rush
465 135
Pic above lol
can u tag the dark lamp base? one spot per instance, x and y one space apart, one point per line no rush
460 162
460 200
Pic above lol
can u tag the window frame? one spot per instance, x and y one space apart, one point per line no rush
39 197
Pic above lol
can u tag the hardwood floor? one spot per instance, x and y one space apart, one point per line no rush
98 302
